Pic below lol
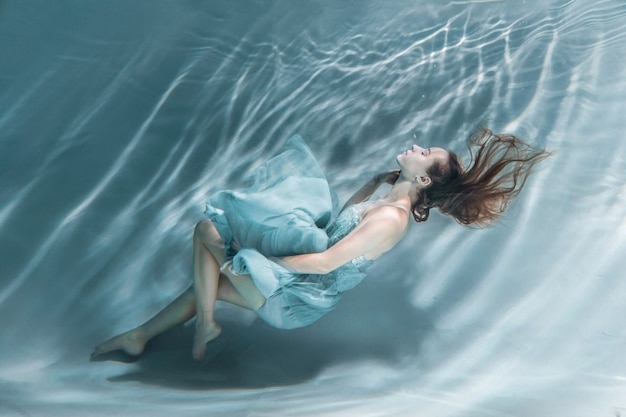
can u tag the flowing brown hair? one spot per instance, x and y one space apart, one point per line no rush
478 195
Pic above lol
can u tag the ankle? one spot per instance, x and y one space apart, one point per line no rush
204 317
206 322
138 332
142 333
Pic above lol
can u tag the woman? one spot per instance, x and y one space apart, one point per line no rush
271 248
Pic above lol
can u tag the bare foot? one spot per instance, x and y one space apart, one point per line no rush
131 342
204 334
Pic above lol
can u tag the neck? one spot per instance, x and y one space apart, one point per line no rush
402 194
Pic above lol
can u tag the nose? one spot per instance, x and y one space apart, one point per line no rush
415 148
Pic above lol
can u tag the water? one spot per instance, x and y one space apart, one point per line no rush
118 120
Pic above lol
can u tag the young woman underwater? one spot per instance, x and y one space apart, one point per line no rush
273 248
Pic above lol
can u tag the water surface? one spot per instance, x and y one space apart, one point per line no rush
119 119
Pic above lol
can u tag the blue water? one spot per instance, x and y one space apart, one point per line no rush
118 119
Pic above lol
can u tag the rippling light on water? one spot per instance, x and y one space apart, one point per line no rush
118 120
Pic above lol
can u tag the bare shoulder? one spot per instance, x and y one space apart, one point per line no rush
391 216
386 225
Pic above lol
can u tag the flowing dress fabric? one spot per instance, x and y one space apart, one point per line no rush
287 210
282 212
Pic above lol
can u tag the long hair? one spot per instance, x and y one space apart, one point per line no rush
478 195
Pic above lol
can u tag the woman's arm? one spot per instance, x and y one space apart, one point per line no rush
371 186
374 236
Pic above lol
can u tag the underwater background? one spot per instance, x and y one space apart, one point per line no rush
118 119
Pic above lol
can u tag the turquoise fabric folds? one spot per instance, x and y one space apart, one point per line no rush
287 210
284 210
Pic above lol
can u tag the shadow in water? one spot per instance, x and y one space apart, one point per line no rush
378 325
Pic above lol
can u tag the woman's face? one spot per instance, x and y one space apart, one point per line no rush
416 161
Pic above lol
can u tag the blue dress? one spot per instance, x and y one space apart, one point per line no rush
287 210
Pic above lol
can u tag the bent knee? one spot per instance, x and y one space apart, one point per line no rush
206 231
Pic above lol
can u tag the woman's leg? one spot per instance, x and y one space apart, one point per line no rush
177 312
186 305
133 341
244 285
207 257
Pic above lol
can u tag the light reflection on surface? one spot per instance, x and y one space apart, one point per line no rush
105 169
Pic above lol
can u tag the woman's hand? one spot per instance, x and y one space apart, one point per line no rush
389 177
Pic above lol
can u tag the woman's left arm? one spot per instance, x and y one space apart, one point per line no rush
377 235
